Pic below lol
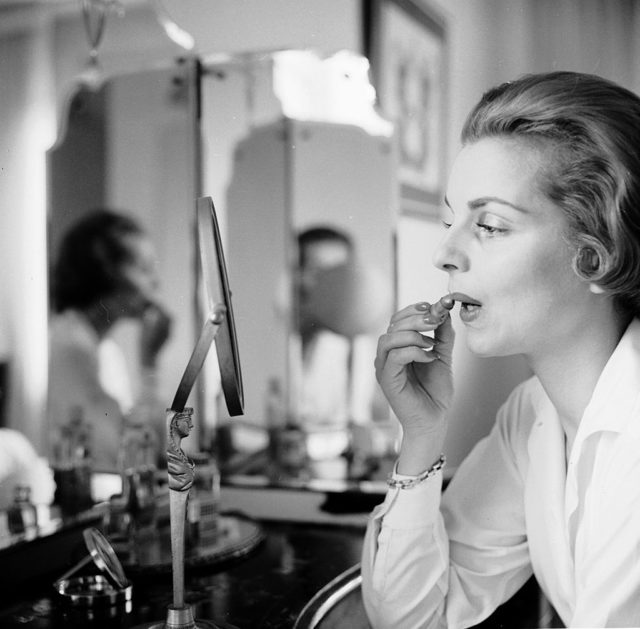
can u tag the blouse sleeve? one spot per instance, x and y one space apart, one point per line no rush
430 562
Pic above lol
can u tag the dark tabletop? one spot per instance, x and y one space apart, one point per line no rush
265 589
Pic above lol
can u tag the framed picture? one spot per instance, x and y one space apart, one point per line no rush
405 42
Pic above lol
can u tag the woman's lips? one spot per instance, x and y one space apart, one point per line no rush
470 308
465 299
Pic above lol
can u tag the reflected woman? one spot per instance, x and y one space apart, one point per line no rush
542 250
105 273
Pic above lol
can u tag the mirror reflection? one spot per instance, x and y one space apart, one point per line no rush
326 275
326 327
105 272
121 281
303 190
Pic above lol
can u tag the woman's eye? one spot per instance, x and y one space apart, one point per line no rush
446 225
490 229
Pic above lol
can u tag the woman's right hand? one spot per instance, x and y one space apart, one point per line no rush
155 331
414 372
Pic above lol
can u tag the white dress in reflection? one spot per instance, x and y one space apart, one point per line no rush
90 375
331 396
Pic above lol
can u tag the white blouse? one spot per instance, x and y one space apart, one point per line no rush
79 378
515 506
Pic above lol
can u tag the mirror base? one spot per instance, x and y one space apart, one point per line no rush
182 618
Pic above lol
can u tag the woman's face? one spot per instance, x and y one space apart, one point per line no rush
506 255
140 277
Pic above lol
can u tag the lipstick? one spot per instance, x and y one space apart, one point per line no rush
439 310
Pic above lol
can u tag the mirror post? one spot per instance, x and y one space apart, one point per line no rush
181 476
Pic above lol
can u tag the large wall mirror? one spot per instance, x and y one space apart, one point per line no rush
130 144
151 142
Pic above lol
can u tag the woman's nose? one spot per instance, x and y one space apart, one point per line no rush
450 254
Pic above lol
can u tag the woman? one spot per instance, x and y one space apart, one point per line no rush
105 273
542 250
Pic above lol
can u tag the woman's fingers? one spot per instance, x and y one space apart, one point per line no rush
444 337
433 312
398 359
438 311
409 327
412 354
403 348
423 317
401 338
421 308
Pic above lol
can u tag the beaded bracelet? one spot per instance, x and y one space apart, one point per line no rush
408 483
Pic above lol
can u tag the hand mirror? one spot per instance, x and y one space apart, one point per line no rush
220 324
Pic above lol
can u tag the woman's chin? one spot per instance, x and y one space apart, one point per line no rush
486 345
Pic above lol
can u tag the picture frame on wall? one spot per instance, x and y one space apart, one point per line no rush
405 42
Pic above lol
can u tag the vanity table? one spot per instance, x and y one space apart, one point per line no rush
267 587
304 568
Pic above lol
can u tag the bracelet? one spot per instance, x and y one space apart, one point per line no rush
412 481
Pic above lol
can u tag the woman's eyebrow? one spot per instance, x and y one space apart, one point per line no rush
474 204
482 201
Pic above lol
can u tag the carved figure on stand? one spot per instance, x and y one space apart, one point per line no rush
181 473
181 469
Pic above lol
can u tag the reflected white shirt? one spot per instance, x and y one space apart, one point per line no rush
89 375
515 506
337 384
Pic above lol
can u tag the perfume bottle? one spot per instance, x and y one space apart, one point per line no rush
72 464
22 515
138 472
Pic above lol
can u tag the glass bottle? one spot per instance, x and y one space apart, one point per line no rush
22 515
72 464
138 471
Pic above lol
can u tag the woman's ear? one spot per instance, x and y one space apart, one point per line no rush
596 289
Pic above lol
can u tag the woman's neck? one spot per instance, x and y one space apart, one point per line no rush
570 373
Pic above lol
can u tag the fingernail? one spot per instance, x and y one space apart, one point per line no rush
431 319
422 306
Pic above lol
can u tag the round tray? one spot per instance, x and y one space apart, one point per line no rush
150 554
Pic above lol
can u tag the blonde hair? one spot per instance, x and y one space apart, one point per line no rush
592 128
